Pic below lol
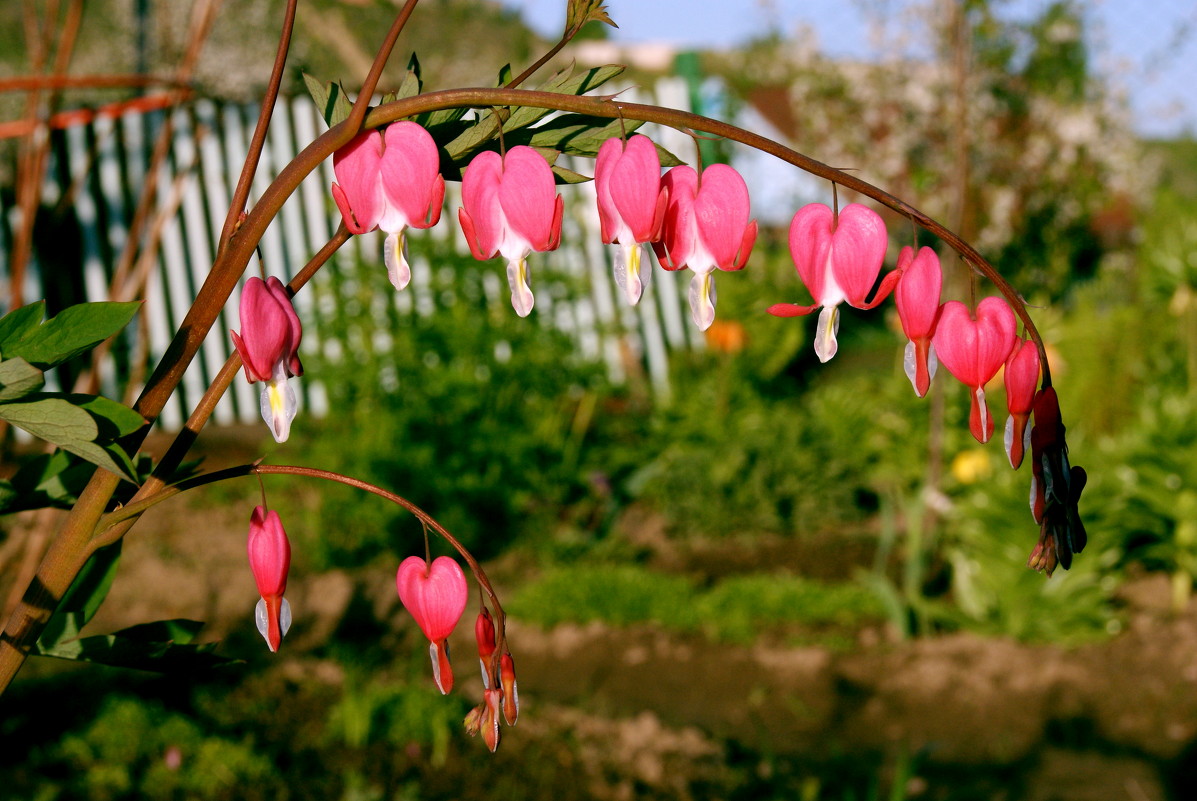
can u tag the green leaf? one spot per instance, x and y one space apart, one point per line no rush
45 480
412 84
70 427
14 324
567 176
84 597
667 158
505 75
18 378
330 99
179 630
473 137
579 12
72 331
575 134
564 82
156 656
118 418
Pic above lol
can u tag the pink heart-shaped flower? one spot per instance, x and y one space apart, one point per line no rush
974 349
436 596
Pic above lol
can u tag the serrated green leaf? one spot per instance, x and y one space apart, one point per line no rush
84 597
579 12
330 99
18 378
564 82
14 324
72 331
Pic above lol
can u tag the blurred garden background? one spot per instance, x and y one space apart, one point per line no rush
731 572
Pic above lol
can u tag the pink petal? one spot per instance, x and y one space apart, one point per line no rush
528 196
857 251
357 169
434 594
265 330
411 180
679 231
918 290
974 350
790 310
269 552
442 669
610 221
635 187
294 327
810 247
721 209
1022 377
980 421
480 204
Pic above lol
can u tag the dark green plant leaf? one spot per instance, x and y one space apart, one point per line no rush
118 418
180 631
18 378
46 480
330 99
70 427
667 158
575 134
17 322
472 138
72 331
158 657
412 83
83 599
505 75
579 12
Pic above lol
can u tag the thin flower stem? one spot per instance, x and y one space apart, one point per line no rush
360 106
258 140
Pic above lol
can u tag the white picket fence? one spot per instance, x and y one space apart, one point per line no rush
109 158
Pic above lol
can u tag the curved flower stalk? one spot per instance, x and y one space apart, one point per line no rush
435 595
838 258
627 180
390 181
414 191
269 348
706 226
510 207
917 299
1021 378
974 350
270 561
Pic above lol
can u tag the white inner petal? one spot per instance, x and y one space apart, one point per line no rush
394 255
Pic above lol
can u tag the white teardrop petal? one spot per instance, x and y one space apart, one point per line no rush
284 617
394 255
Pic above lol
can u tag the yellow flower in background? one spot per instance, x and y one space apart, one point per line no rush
971 466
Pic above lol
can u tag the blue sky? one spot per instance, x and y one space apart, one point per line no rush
1147 48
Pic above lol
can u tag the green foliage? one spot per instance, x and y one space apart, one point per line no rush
374 710
138 750
479 417
738 609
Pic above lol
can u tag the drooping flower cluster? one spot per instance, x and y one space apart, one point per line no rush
839 258
510 208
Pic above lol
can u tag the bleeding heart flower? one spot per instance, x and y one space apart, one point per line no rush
270 561
627 179
436 596
510 207
1021 379
511 691
1056 488
358 194
414 191
974 350
269 348
484 633
706 226
917 298
838 258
